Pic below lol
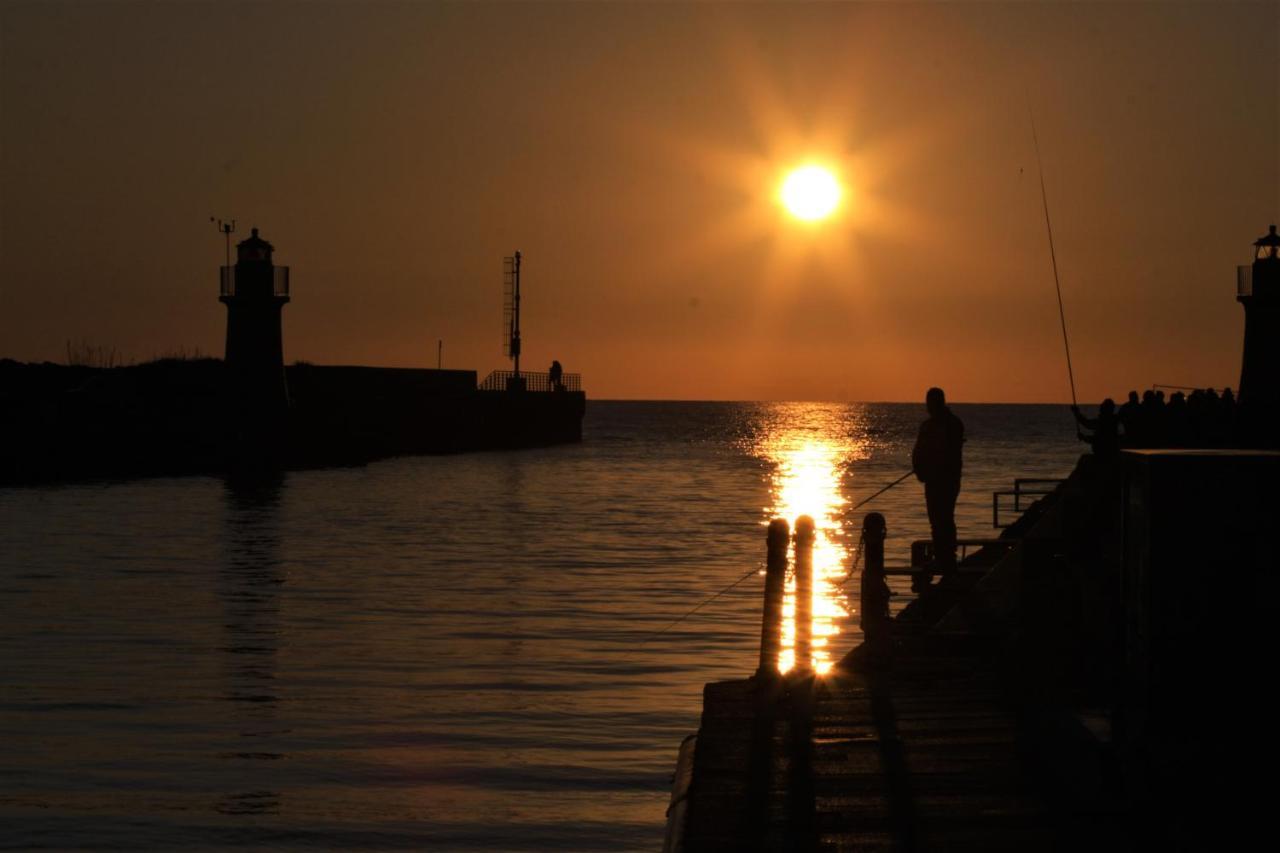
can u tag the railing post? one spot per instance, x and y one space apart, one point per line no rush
774 584
804 595
874 590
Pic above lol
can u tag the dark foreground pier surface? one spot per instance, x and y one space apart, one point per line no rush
928 755
1094 685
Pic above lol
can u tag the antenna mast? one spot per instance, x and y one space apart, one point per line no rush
511 310
227 229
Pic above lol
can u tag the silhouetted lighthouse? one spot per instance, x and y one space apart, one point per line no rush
255 291
1258 290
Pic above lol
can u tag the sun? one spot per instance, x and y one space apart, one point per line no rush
810 193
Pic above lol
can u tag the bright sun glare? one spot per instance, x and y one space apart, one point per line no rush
810 193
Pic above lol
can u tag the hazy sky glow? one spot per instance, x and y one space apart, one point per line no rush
394 152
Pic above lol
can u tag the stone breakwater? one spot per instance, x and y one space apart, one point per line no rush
180 417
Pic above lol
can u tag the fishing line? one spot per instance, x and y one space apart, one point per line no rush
1044 197
656 634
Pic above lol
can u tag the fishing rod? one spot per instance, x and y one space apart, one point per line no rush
1182 388
866 501
857 558
1044 197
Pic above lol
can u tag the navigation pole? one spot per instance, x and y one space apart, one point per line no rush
511 312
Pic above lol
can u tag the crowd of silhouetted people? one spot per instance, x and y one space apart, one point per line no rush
1203 418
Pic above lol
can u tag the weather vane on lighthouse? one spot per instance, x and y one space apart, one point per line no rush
226 229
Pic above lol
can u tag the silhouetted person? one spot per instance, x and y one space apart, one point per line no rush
1178 429
1147 421
936 460
1106 429
1130 413
555 373
1159 421
1225 421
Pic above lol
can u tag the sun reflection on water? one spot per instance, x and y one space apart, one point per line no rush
810 447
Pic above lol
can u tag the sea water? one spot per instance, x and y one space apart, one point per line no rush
467 652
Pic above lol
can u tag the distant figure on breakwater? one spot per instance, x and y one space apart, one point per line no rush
1130 413
555 374
1105 440
936 461
1202 418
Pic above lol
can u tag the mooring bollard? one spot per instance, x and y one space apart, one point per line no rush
874 590
804 594
774 585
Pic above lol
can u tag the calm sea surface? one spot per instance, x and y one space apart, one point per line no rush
452 653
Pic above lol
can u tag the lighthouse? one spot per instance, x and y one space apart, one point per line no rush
1258 290
255 291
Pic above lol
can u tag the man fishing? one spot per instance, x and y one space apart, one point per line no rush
1105 440
936 462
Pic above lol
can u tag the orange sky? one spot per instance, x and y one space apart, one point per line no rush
395 152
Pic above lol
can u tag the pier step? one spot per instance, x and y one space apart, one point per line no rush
906 571
920 761
926 758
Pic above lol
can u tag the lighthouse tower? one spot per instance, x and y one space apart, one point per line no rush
1258 290
255 291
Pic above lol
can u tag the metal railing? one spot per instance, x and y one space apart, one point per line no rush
1244 281
922 552
502 380
1022 487
279 281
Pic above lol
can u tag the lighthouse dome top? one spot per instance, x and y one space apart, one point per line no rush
253 248
1268 245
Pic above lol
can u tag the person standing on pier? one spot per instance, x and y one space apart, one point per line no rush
936 460
1105 440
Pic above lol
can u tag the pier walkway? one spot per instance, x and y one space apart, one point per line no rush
1102 686
948 745
927 754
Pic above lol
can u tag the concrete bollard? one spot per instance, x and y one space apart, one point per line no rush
804 595
873 589
774 586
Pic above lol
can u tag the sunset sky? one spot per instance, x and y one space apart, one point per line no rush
395 152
